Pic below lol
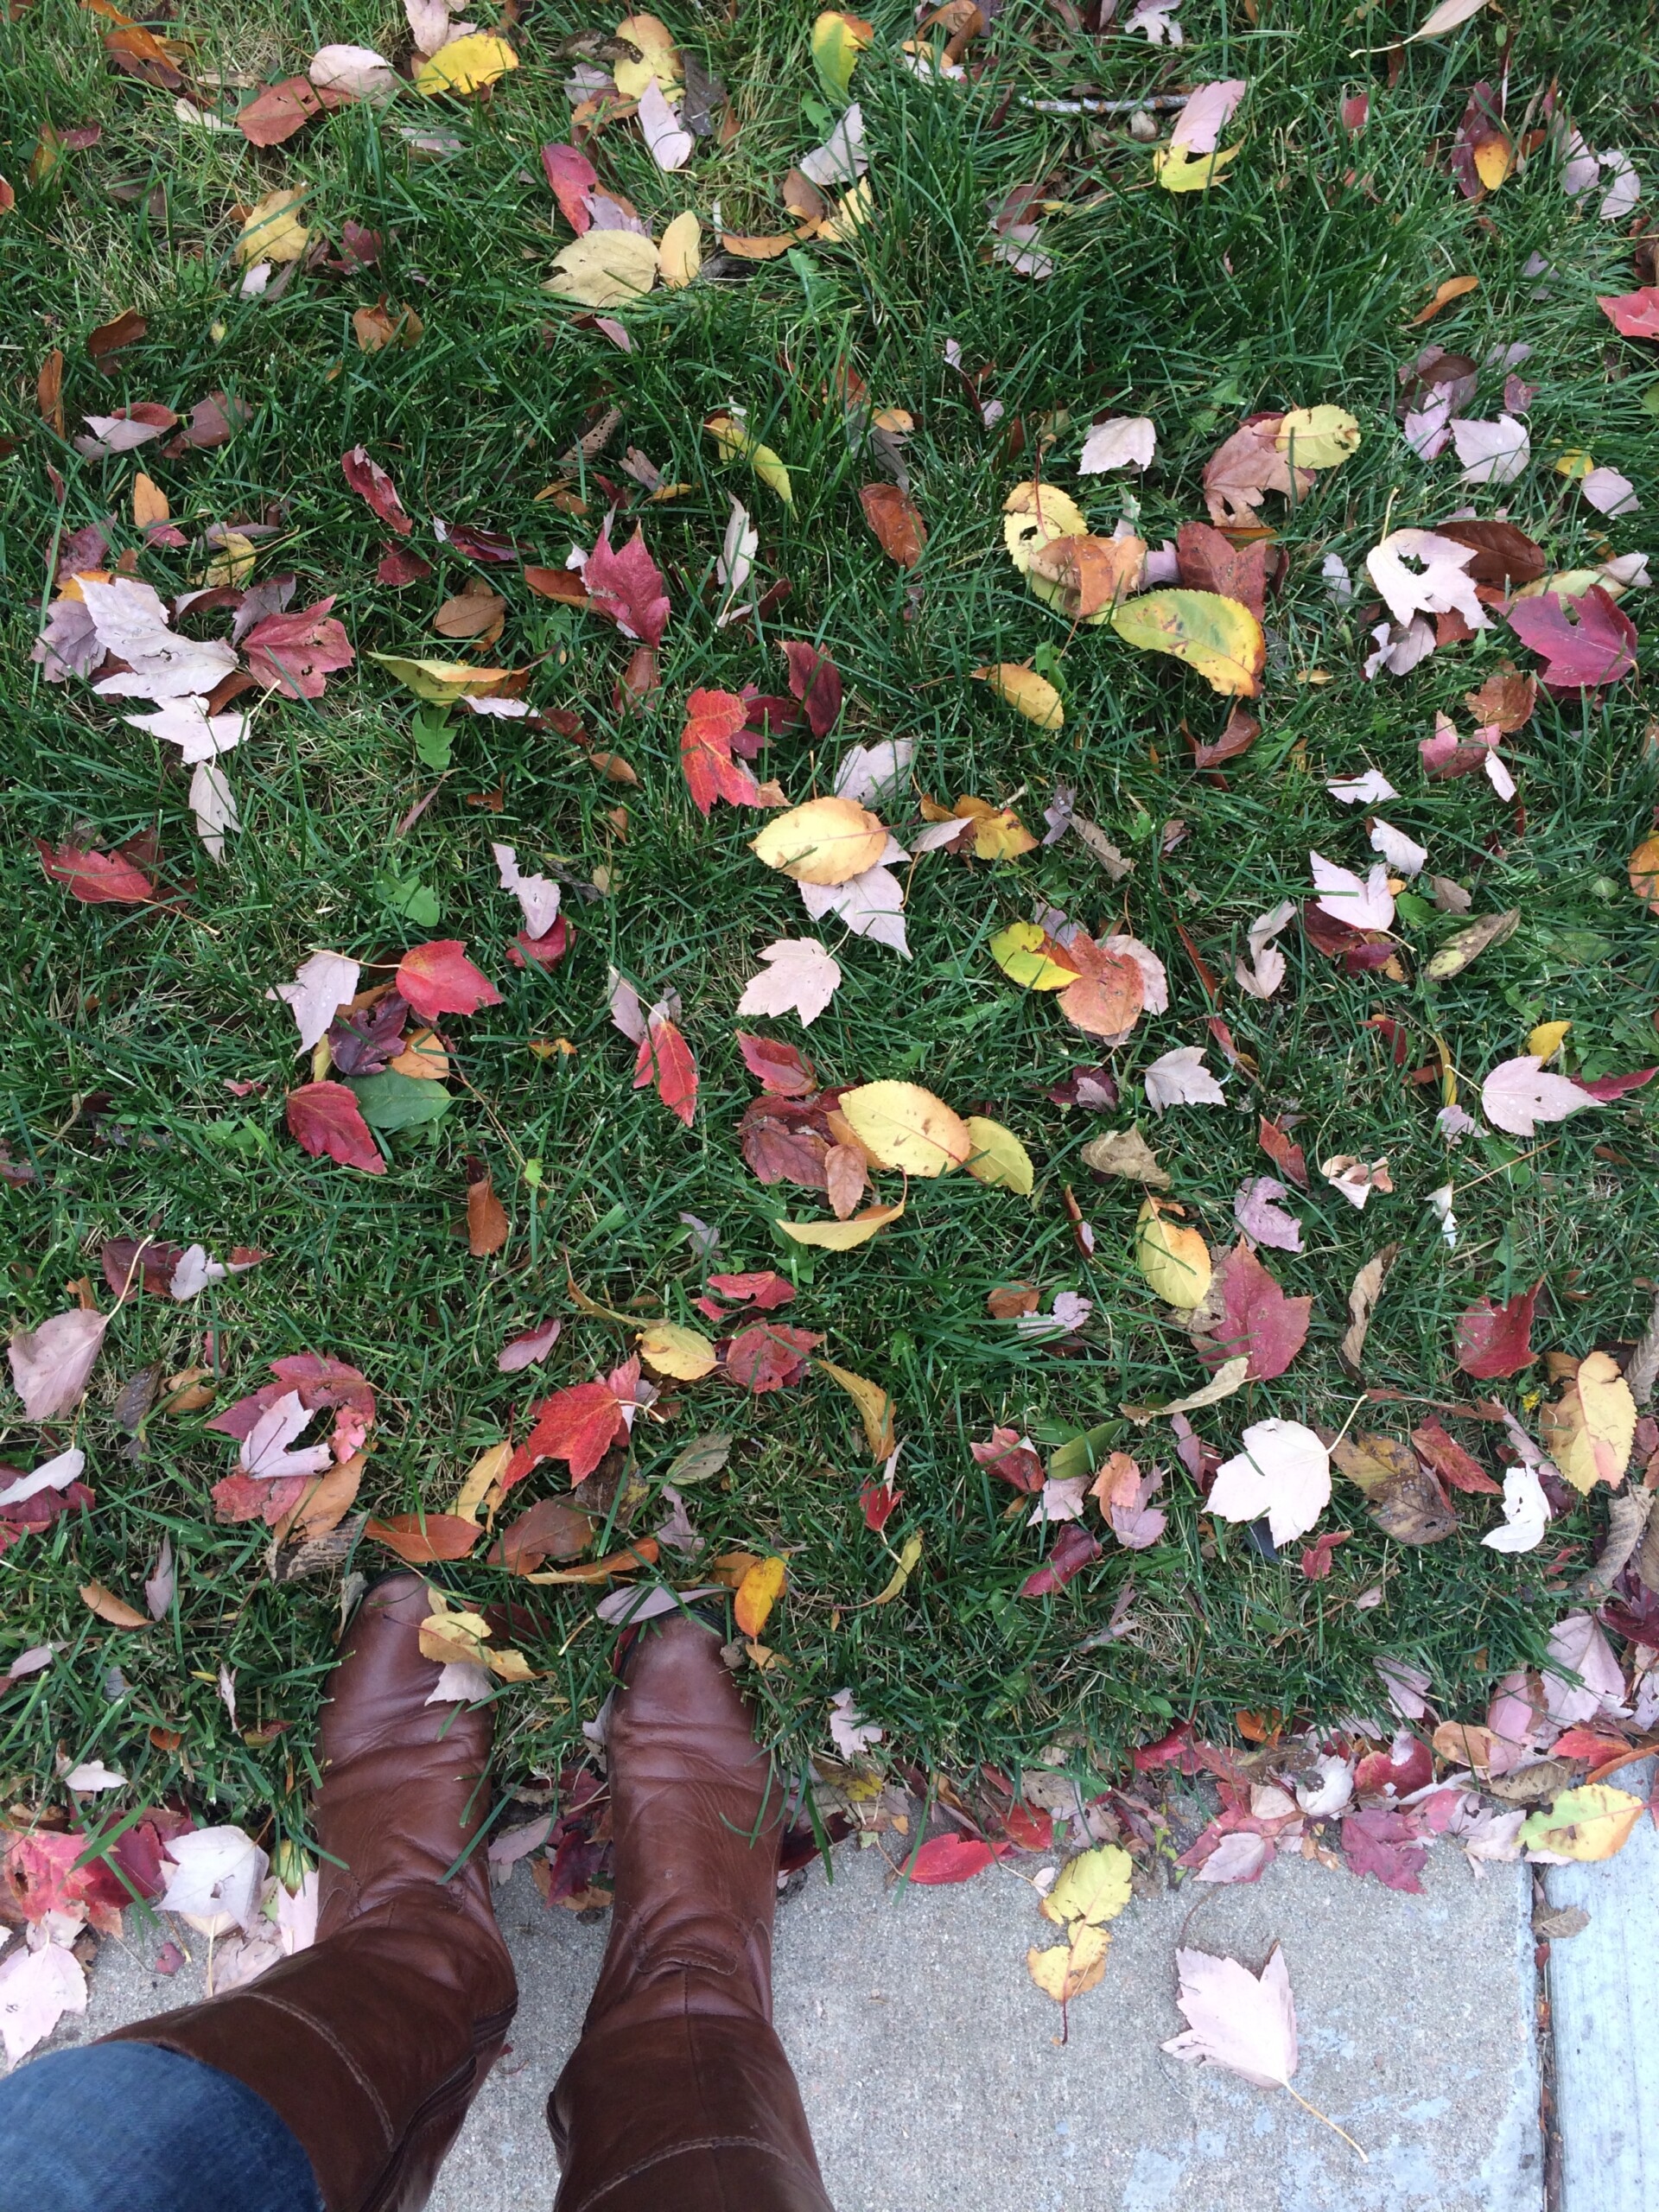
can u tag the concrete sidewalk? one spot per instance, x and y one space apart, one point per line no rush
933 2077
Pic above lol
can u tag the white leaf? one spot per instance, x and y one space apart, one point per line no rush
1427 430
131 622
1284 1471
357 71
93 1776
36 1989
1446 17
669 144
1609 492
50 1364
160 1585
1059 1500
461 1682
537 895
1525 1513
430 23
1518 1094
1498 776
214 1872
1356 1178
187 724
214 808
264 1449
1239 1857
1437 584
1247 2025
1404 855
1267 969
50 1474
1333 1790
627 1012
870 771
1180 1078
32 1662
1579 168
1367 905
1577 1646
1339 584
802 979
113 434
1156 19
1407 1686
1367 790
871 904
1206 115
321 985
849 1730
736 557
1623 192
842 158
1492 453
1258 1214
1400 646
1120 442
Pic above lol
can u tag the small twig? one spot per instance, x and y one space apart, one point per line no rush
1363 2157
1166 101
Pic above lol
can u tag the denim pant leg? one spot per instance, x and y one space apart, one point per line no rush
131 2128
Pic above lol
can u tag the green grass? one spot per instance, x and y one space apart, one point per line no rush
1289 285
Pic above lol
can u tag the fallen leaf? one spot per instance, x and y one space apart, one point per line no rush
98 879
1092 1889
605 268
418 1539
842 1236
827 841
837 40
1126 1153
1633 315
108 1607
1180 1078
1074 1549
950 1857
488 1227
1220 638
1590 1430
802 978
998 1157
1401 1496
1284 1471
1069 1970
1120 441
438 979
1583 642
1469 943
897 521
713 718
1237 2021
1029 694
1175 1261
757 1593
1254 1320
874 1408
1451 288
684 1354
736 442
679 250
272 230
466 65
905 1127
1496 1341
51 1365
1518 1094
371 482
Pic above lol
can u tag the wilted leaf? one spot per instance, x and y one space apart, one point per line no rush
1126 1153
1591 1429
420 1538
897 521
605 268
1403 1498
1592 1822
1456 954
108 1607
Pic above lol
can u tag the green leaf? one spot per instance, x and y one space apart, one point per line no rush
1218 637
392 1102
408 896
433 738
1082 1454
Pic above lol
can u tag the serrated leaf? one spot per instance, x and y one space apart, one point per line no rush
903 1126
1092 1888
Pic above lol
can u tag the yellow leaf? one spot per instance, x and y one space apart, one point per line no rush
853 210
906 1127
441 682
1178 169
466 65
1029 694
605 268
480 1479
1644 873
509 1666
1018 951
149 502
837 42
736 444
999 834
828 841
1546 1039
875 1407
1092 1888
661 57
1174 1261
1590 1430
232 563
909 1551
1220 638
1574 465
842 1236
1316 437
758 1592
1494 159
1035 515
998 1156
273 230
422 1057
1069 1969
679 250
1590 1822
685 1354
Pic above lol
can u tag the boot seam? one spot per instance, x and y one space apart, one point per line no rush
342 2050
697 2142
459 2085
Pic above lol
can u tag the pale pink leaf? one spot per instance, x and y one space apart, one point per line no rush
321 985
50 1366
1236 2020
1520 1093
1284 1471
1180 1078
801 978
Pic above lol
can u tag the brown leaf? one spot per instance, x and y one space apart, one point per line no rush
563 584
1504 555
1400 1495
1454 288
551 1528
111 338
48 390
1208 562
845 1178
325 1503
1092 573
381 325
476 613
897 521
420 1538
1361 1304
1239 734
487 1219
1507 698
108 1607
1008 1300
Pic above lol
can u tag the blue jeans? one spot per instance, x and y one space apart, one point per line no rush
131 2128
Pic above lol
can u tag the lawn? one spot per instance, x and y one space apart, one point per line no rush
131 1030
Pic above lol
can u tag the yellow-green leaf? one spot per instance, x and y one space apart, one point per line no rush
685 1354
1316 437
998 1157
661 57
909 1551
842 1236
736 443
1591 1822
1029 694
758 1592
1174 1261
1218 637
441 682
466 65
1092 1890
837 42
903 1126
875 1407
828 841
1018 951
1178 169
605 268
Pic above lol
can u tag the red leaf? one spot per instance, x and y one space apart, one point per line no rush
1450 1461
776 1066
1283 1150
815 680
768 1355
1385 1843
1178 1749
953 1858
665 1058
1494 1341
876 1501
1074 1547
713 718
438 978
1010 1460
1633 315
1379 1772
1316 1560
277 112
249 1497
783 1142
296 653
418 1538
546 952
399 567
1239 733
371 482
1609 1087
1029 1830
154 1270
324 1118
578 1425
627 588
1257 1319
1598 647
763 1288
1208 562
96 879
39 1875
1359 951
571 174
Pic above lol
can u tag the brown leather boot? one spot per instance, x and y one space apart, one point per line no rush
372 2044
679 2093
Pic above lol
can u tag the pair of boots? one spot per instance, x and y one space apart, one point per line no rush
371 2044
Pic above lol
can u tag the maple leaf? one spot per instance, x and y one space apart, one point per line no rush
1633 315
1012 1458
1257 1319
1180 1078
769 1355
665 1058
1496 1341
265 1453
1598 647
37 1987
538 896
627 588
953 1858
778 1068
578 1425
801 978
1438 584
1257 1213
131 622
1388 1843
325 1119
1235 2019
296 653
96 879
438 978
371 482
1284 1471
764 1289
323 985
713 718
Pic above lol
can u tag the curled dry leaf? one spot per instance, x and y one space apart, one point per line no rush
897 521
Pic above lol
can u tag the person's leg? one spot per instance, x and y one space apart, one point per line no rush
370 2045
680 2093
131 2128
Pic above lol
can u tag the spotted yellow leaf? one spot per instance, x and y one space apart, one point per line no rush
1316 437
904 1126
1218 637
1034 515
1591 1822
660 57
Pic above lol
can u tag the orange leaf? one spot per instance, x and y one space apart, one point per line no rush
643 1554
1452 289
897 521
419 1538
665 1056
758 1592
487 1219
115 1611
